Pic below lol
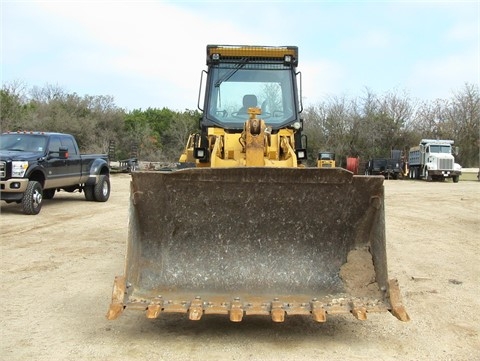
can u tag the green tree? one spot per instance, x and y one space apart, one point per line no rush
13 106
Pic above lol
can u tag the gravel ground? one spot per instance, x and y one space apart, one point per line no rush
57 271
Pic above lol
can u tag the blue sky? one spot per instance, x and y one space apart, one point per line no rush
151 53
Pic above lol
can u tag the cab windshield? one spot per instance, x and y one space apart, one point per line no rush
233 88
440 149
327 156
23 142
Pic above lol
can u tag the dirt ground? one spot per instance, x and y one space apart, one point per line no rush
57 271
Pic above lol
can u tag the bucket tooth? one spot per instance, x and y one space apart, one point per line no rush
116 306
236 311
278 313
360 313
398 310
153 310
114 311
318 312
236 315
195 311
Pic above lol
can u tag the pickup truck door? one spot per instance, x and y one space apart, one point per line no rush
74 160
60 171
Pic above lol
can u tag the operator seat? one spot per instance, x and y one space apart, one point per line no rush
249 101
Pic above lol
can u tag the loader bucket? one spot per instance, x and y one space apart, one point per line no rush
256 241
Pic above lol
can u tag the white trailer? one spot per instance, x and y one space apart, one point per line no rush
433 159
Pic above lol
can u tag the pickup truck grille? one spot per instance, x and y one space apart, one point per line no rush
3 169
445 164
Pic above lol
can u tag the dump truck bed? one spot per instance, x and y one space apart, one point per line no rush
264 241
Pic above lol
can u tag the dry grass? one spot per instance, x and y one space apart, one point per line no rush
469 174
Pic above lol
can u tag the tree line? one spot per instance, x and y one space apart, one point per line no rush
372 125
95 121
367 126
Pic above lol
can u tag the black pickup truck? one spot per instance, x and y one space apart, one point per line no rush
389 168
33 165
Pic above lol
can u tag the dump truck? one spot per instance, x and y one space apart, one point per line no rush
244 227
433 159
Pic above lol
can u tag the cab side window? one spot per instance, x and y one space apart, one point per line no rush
55 144
68 143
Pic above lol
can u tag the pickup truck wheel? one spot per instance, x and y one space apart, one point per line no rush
88 190
32 198
102 189
48 193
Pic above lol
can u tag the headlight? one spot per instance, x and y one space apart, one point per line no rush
297 125
301 154
19 168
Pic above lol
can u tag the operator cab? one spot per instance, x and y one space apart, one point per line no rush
243 77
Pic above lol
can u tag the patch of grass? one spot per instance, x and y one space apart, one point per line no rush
469 176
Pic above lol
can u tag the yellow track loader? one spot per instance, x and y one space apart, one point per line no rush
326 160
244 227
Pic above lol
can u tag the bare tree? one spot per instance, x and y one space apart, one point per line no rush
463 118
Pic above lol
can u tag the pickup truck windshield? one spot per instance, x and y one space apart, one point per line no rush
23 142
235 88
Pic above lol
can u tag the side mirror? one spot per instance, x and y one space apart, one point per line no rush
63 153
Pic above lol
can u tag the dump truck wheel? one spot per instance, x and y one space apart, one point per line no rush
455 179
32 198
101 190
428 177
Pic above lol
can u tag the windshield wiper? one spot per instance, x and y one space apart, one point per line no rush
231 72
